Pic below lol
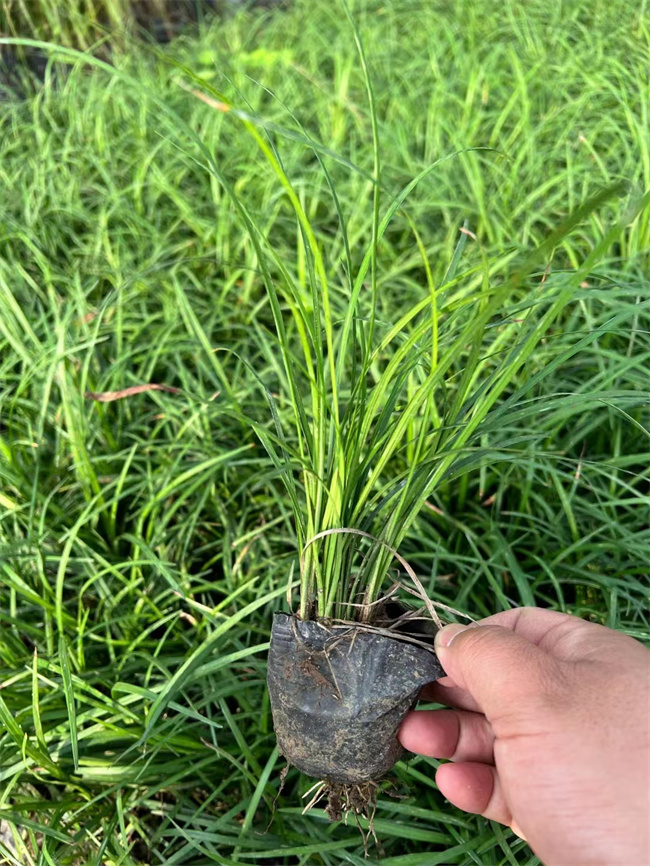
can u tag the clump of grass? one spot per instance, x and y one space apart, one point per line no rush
66 23
372 431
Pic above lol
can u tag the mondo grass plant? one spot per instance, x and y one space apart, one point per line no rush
370 417
384 412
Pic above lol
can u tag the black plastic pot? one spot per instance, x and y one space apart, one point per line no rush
339 695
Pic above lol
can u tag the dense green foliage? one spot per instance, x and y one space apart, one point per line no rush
86 23
146 541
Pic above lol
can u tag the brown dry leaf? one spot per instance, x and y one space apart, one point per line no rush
213 103
109 396
87 318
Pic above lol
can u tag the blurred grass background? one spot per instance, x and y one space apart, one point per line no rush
82 23
145 542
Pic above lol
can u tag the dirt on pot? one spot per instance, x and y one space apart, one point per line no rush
339 694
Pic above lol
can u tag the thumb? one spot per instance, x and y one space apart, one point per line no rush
499 669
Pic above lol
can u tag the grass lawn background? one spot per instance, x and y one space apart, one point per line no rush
145 542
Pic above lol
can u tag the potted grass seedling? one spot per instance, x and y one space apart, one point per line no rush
369 419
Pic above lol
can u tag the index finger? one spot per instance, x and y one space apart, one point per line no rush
449 696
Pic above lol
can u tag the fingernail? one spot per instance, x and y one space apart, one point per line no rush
445 636
516 829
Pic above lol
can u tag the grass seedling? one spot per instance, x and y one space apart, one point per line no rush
382 413
370 418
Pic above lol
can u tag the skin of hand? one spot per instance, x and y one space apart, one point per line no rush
549 733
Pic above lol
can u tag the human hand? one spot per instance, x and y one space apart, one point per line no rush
550 733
